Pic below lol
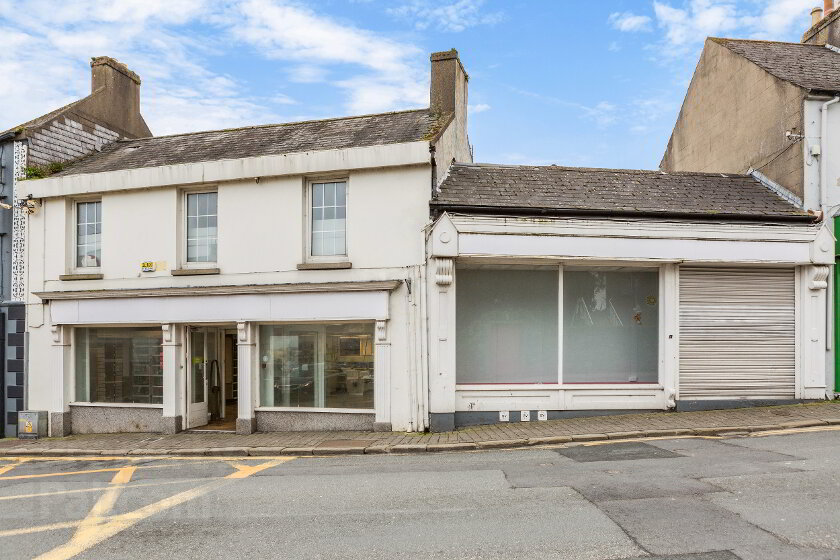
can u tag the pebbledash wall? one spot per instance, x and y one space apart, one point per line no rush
793 259
259 280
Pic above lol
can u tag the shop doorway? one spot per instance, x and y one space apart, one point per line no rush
211 384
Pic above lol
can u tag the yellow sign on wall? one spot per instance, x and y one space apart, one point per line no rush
147 266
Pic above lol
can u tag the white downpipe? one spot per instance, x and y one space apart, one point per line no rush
823 156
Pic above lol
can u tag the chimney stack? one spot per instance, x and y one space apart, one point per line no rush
816 16
448 101
116 90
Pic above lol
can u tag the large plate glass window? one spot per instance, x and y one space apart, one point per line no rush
329 219
317 365
89 234
610 325
507 325
119 365
202 227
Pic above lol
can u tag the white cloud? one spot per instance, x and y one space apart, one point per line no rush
478 108
392 75
169 44
603 113
628 21
689 25
452 16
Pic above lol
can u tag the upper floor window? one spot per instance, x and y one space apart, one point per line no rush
329 219
202 230
88 234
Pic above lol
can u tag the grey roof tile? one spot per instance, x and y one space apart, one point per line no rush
276 139
813 67
555 190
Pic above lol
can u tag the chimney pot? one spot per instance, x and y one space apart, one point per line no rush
829 6
816 16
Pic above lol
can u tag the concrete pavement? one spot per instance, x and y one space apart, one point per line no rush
761 496
508 435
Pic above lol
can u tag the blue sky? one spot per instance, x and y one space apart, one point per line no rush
571 82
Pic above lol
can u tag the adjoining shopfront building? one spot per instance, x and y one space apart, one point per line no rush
562 291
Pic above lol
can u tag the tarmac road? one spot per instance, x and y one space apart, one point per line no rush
763 497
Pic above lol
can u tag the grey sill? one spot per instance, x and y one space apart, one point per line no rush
194 271
80 277
325 265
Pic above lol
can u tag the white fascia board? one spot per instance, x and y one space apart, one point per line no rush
639 228
302 163
633 249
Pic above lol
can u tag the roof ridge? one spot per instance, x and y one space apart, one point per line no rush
257 126
605 169
51 114
768 41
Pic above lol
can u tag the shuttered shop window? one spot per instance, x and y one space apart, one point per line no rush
737 333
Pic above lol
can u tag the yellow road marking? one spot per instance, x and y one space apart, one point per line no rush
39 529
90 471
7 468
124 475
94 528
143 458
244 471
97 489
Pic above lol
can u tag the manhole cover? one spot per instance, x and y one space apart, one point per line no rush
626 451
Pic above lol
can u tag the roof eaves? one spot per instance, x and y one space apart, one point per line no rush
439 206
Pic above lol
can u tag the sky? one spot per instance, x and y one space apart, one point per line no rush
566 82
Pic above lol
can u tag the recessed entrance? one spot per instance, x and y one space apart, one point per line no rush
212 379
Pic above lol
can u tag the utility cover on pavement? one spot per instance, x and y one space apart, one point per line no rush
624 451
719 555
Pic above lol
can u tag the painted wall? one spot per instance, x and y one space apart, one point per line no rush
261 241
734 117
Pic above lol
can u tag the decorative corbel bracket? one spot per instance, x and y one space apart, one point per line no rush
819 277
444 271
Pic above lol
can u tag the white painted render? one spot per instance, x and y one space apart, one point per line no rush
261 231
561 242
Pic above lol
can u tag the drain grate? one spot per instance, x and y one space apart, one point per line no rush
626 451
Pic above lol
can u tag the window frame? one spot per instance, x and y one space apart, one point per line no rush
75 373
308 214
320 327
184 229
74 248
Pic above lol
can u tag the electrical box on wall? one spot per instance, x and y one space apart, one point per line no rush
504 416
525 415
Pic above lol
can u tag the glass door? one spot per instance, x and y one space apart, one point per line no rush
203 353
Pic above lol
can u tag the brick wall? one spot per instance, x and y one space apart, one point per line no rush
734 117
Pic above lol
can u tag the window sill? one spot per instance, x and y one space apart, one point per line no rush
194 271
315 409
335 265
82 276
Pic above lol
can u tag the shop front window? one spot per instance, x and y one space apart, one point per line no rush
317 365
610 326
119 365
507 323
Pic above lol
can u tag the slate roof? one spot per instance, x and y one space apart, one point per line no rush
813 67
44 118
275 139
555 190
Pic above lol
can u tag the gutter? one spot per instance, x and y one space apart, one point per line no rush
7 135
439 207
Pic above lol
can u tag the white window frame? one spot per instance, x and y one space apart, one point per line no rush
308 257
378 372
74 248
184 230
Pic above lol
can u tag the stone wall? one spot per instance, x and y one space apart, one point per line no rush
115 420
734 118
284 421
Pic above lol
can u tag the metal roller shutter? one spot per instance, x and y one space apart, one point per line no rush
737 333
